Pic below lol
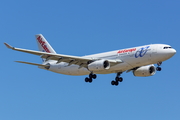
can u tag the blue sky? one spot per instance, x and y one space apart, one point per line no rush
80 28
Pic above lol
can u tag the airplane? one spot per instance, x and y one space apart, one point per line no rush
138 60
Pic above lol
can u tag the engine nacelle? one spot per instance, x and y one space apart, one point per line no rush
99 65
145 71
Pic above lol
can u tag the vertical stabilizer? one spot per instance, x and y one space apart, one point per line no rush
43 44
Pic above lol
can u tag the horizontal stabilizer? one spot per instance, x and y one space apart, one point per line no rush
32 63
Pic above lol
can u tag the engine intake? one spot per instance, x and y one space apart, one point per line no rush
99 65
145 71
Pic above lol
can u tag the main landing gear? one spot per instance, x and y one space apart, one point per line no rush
159 68
90 78
117 79
113 82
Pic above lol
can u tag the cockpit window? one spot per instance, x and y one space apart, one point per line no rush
167 47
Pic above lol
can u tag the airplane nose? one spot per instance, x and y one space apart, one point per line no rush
171 52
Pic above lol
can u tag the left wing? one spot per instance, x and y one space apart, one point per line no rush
81 61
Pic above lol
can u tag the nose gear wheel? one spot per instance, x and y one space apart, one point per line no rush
159 68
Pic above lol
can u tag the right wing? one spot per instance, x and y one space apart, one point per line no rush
81 61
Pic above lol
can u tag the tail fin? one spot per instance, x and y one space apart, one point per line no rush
43 44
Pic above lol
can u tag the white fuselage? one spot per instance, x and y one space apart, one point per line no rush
130 57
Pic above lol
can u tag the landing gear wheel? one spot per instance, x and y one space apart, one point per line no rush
90 80
86 79
158 68
117 79
116 83
120 79
94 76
113 82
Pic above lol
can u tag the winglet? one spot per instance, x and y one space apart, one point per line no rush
8 46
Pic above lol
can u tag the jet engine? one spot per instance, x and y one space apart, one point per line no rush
99 65
145 71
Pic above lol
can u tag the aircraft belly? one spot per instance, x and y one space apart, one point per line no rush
114 69
63 68
122 67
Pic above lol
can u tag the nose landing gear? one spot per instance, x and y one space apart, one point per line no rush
159 68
